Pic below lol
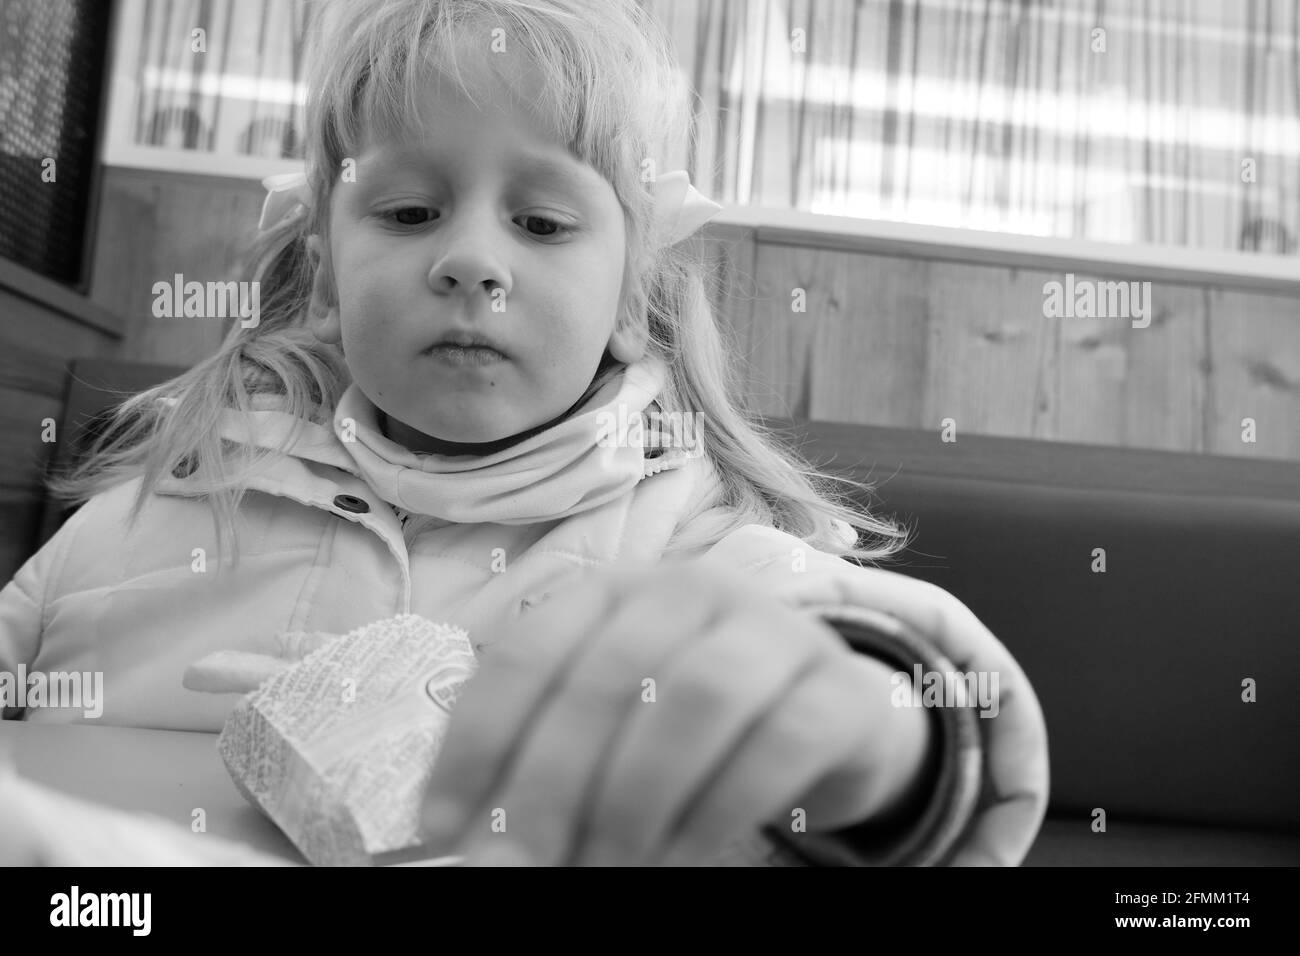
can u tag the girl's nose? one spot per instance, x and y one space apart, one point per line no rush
468 259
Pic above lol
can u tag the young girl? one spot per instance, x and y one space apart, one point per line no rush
486 387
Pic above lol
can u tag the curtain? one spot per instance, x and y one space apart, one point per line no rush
1174 122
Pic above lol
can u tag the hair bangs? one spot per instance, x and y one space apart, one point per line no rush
371 81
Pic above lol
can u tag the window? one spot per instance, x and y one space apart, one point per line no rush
52 55
209 86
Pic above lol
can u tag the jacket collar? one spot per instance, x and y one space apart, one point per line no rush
595 455
290 474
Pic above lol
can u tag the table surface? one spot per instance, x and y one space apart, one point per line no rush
170 773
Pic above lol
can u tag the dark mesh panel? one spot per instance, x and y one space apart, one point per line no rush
52 55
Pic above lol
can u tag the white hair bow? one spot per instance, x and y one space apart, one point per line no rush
680 210
284 193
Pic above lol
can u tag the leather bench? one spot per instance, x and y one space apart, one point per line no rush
1140 668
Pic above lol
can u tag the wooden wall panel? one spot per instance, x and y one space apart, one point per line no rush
1139 387
784 341
873 368
1255 354
1166 380
909 342
154 225
991 356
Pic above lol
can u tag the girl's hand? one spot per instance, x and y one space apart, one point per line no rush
654 715
242 672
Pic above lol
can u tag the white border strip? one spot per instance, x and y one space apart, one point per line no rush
195 163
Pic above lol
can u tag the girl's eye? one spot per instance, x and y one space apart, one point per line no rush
550 226
407 211
419 215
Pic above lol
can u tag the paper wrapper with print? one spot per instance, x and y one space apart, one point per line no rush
339 748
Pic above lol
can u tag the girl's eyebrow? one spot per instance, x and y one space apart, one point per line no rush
548 171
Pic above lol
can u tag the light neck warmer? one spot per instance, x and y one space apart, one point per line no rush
594 456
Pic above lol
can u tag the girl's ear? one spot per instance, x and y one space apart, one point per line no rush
326 324
628 341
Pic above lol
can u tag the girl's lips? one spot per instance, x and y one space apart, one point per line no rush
472 355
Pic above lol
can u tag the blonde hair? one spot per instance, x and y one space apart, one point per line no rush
611 91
